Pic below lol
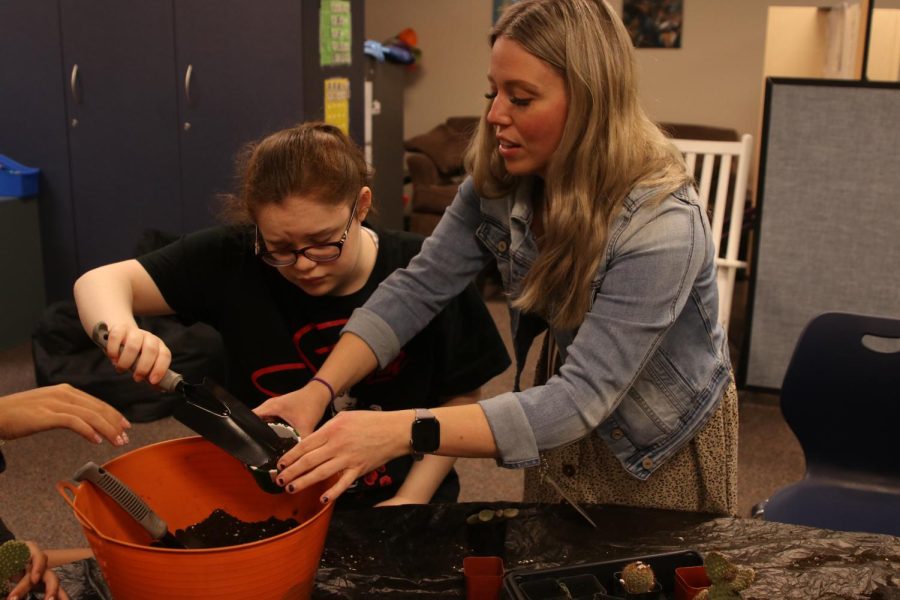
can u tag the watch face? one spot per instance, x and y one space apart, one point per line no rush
426 435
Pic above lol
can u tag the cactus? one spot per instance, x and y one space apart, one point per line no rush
727 579
14 557
638 578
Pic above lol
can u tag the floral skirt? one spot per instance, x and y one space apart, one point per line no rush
700 477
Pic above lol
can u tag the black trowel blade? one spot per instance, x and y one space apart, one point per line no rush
228 423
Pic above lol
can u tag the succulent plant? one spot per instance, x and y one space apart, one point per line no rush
727 579
14 557
638 578
486 515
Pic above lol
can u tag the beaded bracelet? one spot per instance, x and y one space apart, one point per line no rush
326 384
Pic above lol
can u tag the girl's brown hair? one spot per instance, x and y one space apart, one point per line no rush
311 159
608 147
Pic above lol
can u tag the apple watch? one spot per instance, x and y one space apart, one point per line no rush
426 434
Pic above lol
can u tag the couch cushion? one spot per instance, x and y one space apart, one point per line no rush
433 198
690 131
445 144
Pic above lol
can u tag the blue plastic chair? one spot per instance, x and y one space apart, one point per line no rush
841 398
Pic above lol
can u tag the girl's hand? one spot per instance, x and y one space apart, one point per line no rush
35 573
302 409
132 348
57 407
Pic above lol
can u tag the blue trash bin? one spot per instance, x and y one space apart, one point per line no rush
17 180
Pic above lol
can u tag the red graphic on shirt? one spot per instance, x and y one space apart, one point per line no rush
312 356
376 478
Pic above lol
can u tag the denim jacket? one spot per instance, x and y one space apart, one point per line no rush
649 363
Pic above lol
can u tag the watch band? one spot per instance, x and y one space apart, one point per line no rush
424 413
421 414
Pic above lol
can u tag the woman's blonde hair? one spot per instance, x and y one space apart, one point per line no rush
309 159
608 147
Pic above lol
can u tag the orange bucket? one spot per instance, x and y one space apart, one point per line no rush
183 481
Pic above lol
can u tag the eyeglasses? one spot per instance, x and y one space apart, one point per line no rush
320 253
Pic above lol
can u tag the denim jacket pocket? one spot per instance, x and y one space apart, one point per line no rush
647 413
496 240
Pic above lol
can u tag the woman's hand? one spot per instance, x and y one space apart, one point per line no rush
353 443
131 348
61 406
36 572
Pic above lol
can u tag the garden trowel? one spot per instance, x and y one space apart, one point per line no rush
220 418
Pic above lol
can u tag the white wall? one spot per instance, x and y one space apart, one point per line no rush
451 77
715 78
884 45
795 41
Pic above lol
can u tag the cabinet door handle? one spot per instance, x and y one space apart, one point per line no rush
187 82
73 84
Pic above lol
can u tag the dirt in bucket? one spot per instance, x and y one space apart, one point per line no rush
223 529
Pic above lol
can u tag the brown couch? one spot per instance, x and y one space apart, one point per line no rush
689 131
434 161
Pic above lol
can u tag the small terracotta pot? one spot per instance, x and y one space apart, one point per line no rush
484 577
689 581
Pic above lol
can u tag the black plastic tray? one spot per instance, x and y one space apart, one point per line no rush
540 584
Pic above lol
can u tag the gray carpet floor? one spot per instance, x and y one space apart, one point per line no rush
769 456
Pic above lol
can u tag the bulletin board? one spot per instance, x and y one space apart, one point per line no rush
828 227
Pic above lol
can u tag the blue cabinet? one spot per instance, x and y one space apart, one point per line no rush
33 127
134 111
122 116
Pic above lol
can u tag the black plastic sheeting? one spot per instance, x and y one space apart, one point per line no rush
417 551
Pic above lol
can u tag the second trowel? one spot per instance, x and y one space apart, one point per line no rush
135 506
223 420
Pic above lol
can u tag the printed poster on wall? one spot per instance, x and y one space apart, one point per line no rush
335 33
337 103
654 23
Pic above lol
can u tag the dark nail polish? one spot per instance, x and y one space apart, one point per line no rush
280 481
290 488
324 499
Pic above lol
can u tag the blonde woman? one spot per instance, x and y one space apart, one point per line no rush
590 217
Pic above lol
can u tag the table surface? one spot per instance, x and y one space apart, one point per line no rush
418 551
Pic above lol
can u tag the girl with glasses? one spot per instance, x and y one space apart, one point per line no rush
280 282
589 215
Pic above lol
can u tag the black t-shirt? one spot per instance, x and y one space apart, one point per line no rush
277 337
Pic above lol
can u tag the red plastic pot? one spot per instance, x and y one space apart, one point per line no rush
689 581
484 577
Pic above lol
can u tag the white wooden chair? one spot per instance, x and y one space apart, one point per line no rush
728 203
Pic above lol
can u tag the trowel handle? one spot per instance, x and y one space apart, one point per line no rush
170 380
124 497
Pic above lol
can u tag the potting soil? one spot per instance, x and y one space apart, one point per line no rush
223 529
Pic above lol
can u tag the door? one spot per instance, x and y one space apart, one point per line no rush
123 137
240 78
